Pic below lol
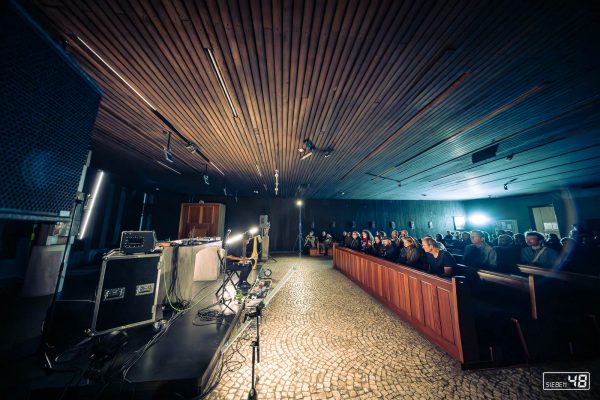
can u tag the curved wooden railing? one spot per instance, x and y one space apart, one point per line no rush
439 308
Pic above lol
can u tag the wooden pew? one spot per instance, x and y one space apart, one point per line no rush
437 307
504 315
578 287
570 304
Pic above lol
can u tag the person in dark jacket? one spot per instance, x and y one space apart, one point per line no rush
396 241
376 247
508 255
411 254
388 251
348 239
355 243
479 254
343 239
465 240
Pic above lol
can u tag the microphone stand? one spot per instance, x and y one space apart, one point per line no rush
257 313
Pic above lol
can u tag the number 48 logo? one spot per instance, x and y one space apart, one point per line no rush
579 381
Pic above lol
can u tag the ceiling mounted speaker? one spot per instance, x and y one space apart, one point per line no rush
353 224
482 155
392 225
372 224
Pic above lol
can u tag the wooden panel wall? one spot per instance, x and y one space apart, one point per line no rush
436 307
283 215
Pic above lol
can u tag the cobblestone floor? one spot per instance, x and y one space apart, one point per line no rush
322 337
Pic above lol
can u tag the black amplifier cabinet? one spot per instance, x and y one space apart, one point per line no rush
127 292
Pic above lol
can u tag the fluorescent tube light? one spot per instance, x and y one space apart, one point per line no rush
166 166
88 213
221 80
217 168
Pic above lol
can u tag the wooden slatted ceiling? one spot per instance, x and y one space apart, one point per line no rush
403 92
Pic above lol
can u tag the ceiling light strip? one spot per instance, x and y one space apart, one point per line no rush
258 170
116 73
221 81
217 168
166 166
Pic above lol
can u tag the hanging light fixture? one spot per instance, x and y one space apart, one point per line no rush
206 182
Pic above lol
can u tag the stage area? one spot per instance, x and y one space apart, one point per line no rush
324 337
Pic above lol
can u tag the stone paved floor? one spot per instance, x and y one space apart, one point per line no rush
322 337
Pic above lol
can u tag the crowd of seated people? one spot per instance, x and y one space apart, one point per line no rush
499 252
322 242
427 255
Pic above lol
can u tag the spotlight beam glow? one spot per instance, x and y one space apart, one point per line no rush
234 238
479 219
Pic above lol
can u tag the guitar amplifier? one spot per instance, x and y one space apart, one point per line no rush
127 292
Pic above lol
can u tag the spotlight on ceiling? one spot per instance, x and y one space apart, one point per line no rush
206 182
310 147
299 203
169 155
506 184
191 147
305 156
327 152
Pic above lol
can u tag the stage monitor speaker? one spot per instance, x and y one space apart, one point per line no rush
127 292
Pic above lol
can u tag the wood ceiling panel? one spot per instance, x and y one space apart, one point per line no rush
402 92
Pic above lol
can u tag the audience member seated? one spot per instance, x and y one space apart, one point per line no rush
343 239
348 239
439 238
381 233
536 254
448 236
439 261
324 241
355 242
366 240
375 247
479 254
396 241
310 241
553 242
322 237
388 251
519 239
508 255
411 254
465 240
